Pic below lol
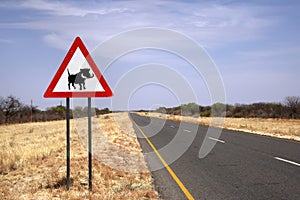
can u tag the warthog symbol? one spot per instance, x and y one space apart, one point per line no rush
79 78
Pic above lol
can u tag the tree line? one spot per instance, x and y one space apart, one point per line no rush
289 108
12 110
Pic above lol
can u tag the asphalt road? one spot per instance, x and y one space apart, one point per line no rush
240 166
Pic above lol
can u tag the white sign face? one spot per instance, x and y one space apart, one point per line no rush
78 76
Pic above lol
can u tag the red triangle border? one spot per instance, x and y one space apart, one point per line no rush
78 43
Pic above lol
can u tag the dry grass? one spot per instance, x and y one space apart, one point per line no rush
281 128
32 164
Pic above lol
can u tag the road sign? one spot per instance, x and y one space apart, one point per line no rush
78 76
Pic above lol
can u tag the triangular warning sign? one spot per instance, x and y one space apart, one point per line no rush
78 76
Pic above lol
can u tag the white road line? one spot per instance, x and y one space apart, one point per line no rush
288 161
172 126
216 139
187 130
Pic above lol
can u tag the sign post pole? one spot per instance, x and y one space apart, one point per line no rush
90 143
68 141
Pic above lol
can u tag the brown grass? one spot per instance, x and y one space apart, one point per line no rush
281 128
32 164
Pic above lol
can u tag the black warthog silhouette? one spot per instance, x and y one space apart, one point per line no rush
79 78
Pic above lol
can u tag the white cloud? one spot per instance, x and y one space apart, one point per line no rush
219 24
56 41
2 40
265 53
67 9
210 24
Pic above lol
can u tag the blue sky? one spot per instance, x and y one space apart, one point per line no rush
254 44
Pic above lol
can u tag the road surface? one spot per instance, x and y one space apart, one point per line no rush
240 166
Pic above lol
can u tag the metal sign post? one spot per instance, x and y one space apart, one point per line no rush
68 141
90 143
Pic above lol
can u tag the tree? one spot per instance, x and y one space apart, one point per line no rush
190 109
56 113
2 117
27 113
78 112
161 110
10 106
293 103
218 109
102 111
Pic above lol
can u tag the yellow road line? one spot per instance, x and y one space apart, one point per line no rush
171 172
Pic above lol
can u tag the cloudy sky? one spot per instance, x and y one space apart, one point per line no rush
254 44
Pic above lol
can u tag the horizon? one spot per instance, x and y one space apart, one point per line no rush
152 109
